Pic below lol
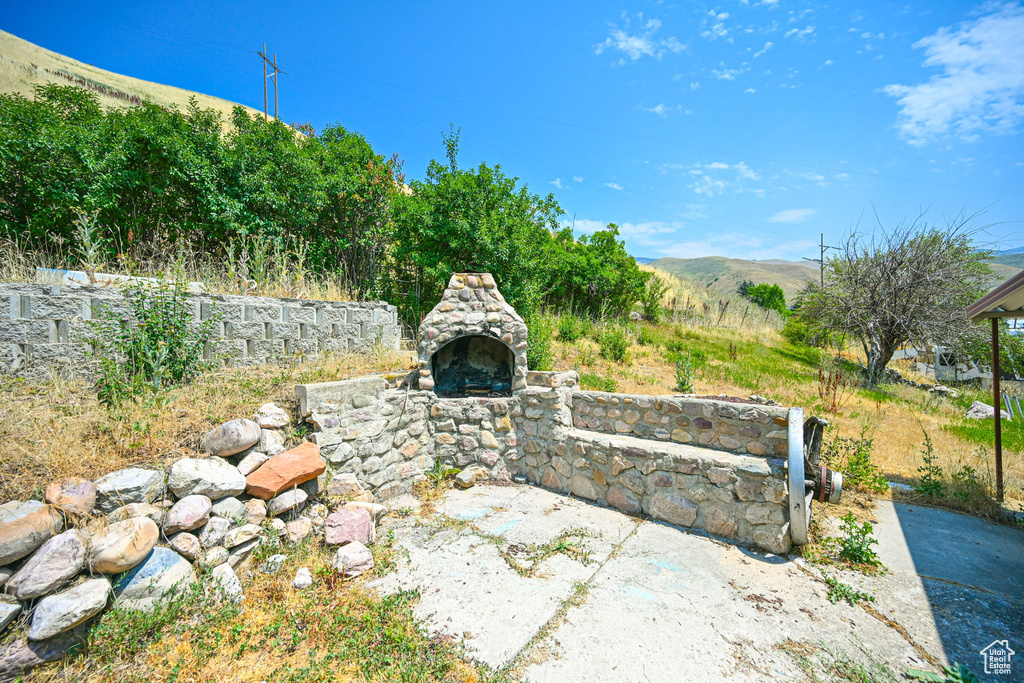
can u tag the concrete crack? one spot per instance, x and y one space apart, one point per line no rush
519 660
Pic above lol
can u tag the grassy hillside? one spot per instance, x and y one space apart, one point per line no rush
24 65
723 275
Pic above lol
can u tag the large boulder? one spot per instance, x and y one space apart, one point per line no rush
191 512
353 559
286 470
242 534
983 411
271 416
25 533
232 437
349 525
56 562
157 578
131 485
213 533
73 495
16 509
211 477
122 545
63 611
231 508
8 611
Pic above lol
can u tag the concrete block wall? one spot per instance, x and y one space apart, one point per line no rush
45 325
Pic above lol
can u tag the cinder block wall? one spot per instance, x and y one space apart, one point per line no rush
46 325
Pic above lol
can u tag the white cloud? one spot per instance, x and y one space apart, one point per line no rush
695 86
827 62
584 225
716 165
800 34
641 234
713 25
614 186
767 46
664 109
727 74
791 216
981 84
737 245
557 182
641 44
577 178
751 90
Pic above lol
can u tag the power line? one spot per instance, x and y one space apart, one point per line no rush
276 71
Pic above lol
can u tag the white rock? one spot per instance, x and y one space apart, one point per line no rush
225 579
16 509
137 510
214 532
251 462
271 442
5 575
63 611
303 579
231 508
8 612
55 563
213 557
352 559
242 534
293 499
211 477
270 416
273 563
231 437
297 529
983 411
131 485
256 510
238 554
186 545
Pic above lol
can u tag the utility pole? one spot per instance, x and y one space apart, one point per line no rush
276 71
821 260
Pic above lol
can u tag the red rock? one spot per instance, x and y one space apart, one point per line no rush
349 526
286 470
72 494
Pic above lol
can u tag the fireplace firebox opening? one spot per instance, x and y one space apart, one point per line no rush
473 365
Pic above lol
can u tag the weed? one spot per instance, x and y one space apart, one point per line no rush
930 483
837 590
525 558
595 382
647 336
852 457
684 375
832 389
539 354
733 352
954 673
614 344
855 546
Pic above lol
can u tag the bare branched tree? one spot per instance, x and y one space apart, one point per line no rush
908 285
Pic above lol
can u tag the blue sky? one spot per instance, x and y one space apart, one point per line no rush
739 129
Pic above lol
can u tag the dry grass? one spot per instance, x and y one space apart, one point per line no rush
58 429
334 631
24 65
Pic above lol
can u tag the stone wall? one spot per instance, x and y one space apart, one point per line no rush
734 427
632 460
46 325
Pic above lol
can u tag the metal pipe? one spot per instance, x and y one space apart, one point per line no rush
998 411
1009 404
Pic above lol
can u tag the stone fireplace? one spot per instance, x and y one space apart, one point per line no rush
472 343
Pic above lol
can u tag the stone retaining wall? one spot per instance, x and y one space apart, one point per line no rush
735 427
46 325
389 436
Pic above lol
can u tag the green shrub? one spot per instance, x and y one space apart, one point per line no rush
593 382
796 331
614 344
157 347
931 474
572 328
648 336
539 355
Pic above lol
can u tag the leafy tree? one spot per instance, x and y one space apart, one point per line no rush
911 284
770 297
